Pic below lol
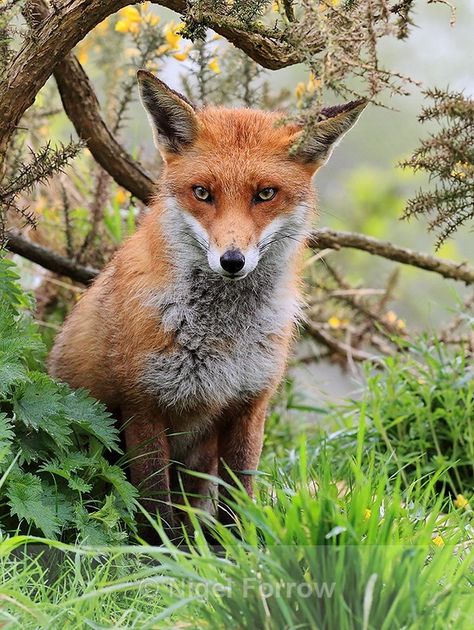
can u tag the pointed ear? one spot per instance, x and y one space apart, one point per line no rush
316 145
172 117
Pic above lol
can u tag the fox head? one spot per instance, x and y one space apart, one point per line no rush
238 181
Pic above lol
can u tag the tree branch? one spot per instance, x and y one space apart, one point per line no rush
264 45
54 38
321 238
49 260
83 109
333 239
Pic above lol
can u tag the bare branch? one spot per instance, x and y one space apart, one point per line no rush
48 259
447 268
264 45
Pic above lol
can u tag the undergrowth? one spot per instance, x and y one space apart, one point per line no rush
56 481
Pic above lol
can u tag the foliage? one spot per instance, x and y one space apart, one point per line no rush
57 481
309 553
417 414
448 157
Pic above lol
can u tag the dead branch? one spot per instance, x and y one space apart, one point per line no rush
49 260
333 239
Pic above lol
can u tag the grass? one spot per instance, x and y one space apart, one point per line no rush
310 552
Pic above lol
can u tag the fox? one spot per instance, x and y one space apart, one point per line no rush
186 333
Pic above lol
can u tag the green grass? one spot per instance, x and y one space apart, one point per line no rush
310 552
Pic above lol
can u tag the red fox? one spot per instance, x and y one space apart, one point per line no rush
186 332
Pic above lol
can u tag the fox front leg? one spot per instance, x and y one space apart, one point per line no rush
148 451
239 448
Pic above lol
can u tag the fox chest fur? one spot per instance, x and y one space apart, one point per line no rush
227 340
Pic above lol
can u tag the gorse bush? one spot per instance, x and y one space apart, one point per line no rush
418 415
56 480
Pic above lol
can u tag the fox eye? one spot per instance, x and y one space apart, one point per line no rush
201 193
266 194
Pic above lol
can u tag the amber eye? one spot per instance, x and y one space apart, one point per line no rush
201 193
266 194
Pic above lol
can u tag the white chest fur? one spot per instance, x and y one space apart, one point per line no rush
226 338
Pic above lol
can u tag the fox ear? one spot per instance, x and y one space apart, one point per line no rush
317 144
172 116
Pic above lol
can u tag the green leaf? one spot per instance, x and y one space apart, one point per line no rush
26 499
6 438
116 476
92 417
39 405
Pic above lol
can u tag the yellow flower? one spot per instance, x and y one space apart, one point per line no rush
131 14
121 196
184 54
161 50
171 35
390 317
152 20
214 65
460 170
125 26
461 501
103 26
367 514
313 83
129 21
82 56
438 541
334 322
300 90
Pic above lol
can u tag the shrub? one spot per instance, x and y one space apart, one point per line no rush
56 480
417 414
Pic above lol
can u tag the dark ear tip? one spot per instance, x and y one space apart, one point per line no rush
145 75
336 110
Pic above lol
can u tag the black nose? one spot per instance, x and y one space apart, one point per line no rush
232 260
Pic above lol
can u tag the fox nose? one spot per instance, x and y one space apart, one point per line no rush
232 260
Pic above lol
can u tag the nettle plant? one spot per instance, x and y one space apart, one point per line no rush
55 480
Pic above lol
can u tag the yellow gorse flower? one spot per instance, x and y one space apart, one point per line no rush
335 323
438 541
461 169
173 39
307 89
461 501
214 65
121 196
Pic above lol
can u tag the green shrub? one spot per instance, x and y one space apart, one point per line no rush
55 480
417 414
